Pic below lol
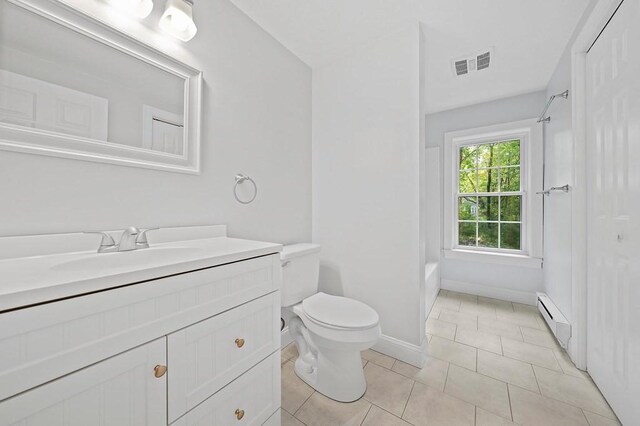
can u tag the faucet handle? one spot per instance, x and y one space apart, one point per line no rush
141 241
106 242
131 230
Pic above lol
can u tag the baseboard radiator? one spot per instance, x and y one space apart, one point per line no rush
554 318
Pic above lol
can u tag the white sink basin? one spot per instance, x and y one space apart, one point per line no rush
128 259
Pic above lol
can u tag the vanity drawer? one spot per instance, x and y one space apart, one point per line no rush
255 396
206 356
44 342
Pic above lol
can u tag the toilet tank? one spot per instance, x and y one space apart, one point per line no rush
300 269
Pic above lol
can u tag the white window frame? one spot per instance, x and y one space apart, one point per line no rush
529 132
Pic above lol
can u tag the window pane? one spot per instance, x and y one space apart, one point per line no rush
510 236
510 153
510 179
487 234
467 234
488 208
488 180
467 208
468 157
488 155
468 182
510 208
493 220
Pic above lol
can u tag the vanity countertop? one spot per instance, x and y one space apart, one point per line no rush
31 280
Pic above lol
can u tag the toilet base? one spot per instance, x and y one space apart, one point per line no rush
329 358
338 375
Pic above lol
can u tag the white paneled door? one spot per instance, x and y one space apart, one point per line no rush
613 211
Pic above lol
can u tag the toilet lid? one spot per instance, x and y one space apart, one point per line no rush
339 311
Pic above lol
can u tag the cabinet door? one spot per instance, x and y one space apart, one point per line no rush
206 356
119 391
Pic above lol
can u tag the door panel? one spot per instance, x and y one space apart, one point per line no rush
613 203
167 137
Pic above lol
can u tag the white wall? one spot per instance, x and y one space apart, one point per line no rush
560 170
367 180
257 121
433 211
558 207
487 276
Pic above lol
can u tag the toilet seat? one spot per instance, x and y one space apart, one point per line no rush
339 313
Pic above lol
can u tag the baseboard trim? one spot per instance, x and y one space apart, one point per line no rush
399 349
524 297
285 337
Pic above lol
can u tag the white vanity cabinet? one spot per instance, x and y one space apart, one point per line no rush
99 358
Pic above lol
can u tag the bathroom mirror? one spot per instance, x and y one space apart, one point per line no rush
73 87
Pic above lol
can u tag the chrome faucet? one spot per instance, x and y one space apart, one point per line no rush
128 239
132 239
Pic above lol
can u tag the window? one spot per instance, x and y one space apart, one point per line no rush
490 197
491 212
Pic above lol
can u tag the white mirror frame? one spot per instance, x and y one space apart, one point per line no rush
36 141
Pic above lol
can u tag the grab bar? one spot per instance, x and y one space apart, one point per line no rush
563 188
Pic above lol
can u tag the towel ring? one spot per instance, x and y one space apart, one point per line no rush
239 179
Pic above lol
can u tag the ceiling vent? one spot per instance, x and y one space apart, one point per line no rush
461 67
477 62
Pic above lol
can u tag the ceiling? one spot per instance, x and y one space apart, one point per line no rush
528 36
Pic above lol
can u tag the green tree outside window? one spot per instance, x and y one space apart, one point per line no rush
490 200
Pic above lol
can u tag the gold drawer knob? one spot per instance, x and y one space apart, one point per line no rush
159 370
239 414
239 342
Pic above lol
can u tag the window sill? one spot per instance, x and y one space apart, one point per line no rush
496 258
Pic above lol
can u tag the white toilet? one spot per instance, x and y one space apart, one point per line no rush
329 331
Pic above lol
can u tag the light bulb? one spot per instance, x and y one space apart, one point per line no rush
177 19
180 21
138 8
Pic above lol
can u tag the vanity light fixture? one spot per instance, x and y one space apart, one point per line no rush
138 8
177 19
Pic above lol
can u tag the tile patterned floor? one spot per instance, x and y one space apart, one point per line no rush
490 363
